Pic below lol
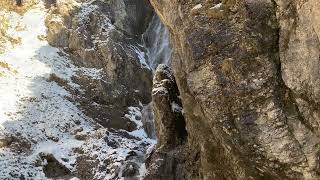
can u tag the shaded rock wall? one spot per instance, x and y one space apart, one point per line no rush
247 74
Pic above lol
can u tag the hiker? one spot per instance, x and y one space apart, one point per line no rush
19 2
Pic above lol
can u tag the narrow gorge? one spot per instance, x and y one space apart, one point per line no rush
159 89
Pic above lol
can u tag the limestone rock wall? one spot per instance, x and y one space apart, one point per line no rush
247 72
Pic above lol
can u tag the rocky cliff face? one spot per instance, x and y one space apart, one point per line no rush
247 72
75 84
106 35
240 99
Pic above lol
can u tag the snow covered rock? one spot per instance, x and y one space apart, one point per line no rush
103 35
45 130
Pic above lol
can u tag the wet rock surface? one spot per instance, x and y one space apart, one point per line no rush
148 121
156 40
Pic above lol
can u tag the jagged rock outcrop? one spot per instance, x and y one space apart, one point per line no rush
250 104
165 160
106 35
167 109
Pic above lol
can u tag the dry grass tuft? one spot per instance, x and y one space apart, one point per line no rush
7 67
42 37
20 27
4 65
4 26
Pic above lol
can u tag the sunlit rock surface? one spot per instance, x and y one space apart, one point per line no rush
247 72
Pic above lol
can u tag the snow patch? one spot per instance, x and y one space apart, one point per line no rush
196 7
176 108
218 6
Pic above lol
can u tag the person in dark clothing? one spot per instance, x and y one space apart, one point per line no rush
19 2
